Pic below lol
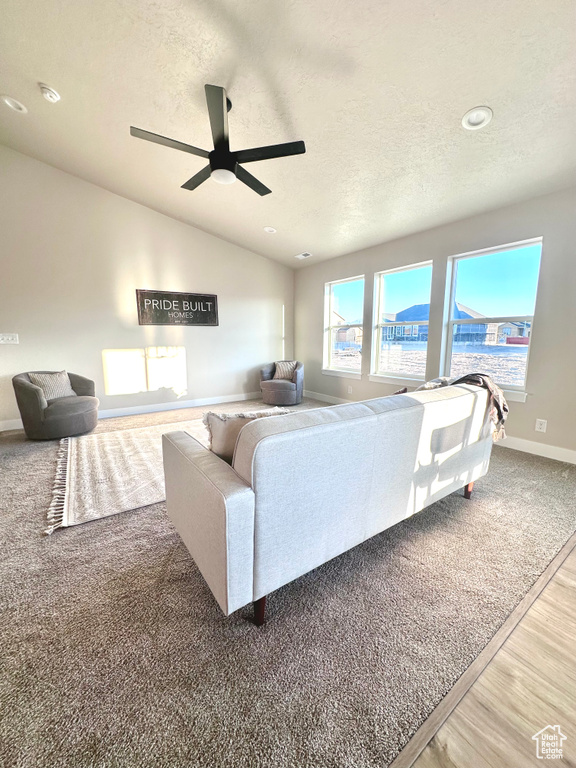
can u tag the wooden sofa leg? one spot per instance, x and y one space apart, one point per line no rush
259 611
468 490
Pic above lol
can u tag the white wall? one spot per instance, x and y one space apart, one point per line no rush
71 257
552 367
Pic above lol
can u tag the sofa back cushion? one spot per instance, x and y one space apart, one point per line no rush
328 479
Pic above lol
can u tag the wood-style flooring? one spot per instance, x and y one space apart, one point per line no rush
527 684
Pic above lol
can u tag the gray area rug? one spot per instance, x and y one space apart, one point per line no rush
106 473
114 653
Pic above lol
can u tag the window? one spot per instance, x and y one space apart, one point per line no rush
492 301
402 309
343 325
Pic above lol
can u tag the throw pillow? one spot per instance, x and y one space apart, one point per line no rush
224 428
285 369
54 385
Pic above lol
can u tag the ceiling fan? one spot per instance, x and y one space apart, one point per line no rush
223 165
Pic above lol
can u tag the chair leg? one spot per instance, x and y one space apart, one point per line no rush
468 490
259 611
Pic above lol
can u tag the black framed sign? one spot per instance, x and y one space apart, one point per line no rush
171 308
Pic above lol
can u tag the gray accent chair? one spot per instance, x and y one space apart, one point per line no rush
281 391
63 417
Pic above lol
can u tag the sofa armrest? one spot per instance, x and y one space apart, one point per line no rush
30 399
81 385
267 372
213 511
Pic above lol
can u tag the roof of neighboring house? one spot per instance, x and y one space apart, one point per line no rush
413 313
337 319
421 312
463 312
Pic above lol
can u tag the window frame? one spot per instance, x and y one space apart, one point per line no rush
378 327
449 323
327 366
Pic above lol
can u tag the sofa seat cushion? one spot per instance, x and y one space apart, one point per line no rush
278 384
70 406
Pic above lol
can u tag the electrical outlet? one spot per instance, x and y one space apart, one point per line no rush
9 338
541 425
349 390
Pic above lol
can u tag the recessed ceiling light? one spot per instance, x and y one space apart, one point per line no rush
13 104
304 255
49 93
477 118
270 230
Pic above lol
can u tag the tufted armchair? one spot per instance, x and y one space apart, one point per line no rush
282 391
62 417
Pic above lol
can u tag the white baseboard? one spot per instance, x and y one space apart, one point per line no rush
11 424
516 443
152 408
174 406
325 398
539 449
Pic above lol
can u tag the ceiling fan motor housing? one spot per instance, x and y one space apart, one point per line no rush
222 159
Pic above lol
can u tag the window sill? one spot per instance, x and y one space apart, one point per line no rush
512 395
380 378
515 396
343 374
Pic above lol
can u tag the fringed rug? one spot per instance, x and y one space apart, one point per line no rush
106 473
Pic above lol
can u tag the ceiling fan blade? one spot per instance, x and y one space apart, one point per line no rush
266 153
140 134
251 181
218 114
198 178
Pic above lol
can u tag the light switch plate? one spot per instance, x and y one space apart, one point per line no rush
9 338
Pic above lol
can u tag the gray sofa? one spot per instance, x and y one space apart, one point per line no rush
63 417
305 487
281 391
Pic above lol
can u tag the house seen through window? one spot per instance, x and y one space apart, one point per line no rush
492 305
402 309
343 325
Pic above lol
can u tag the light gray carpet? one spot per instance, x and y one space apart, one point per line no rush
114 653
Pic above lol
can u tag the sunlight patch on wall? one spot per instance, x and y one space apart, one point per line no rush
128 371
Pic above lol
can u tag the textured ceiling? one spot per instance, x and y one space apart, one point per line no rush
376 88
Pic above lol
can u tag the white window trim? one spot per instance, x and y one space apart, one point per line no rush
342 373
326 367
402 381
449 323
392 377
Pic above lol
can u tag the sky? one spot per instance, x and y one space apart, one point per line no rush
494 284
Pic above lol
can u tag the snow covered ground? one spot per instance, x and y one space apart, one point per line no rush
505 364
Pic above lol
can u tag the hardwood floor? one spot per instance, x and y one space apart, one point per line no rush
529 683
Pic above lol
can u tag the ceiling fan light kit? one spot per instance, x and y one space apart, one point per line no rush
223 166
